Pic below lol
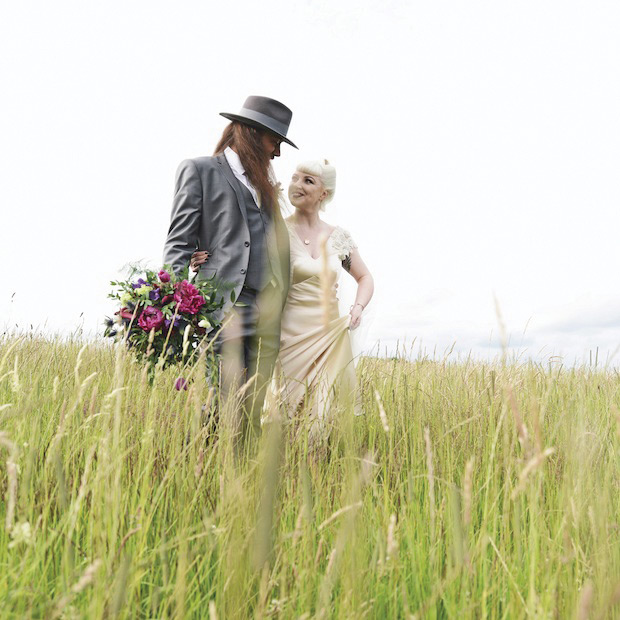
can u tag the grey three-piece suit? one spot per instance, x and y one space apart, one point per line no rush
248 251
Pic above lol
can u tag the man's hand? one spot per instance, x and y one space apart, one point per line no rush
198 258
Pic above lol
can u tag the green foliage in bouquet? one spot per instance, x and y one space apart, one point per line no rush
164 317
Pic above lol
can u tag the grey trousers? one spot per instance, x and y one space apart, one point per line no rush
248 347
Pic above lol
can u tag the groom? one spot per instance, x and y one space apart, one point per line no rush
227 207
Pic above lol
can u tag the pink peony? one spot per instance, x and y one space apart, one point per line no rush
188 297
164 276
151 318
125 313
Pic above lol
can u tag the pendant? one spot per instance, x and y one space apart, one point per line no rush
307 241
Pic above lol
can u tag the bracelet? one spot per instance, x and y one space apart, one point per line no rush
357 304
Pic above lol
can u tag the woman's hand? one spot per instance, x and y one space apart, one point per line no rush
198 258
365 287
356 315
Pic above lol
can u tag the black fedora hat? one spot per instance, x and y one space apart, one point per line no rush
264 113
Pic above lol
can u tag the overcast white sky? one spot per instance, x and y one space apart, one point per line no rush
477 146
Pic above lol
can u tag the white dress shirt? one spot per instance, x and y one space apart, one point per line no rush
239 171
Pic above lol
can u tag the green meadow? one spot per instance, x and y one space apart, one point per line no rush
465 490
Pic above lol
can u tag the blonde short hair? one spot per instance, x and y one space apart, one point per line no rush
322 169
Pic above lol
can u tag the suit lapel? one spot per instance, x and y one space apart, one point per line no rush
277 239
224 168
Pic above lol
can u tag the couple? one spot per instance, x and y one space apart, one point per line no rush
226 219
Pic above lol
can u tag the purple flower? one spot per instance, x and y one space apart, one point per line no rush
180 384
154 295
151 318
164 276
167 322
139 283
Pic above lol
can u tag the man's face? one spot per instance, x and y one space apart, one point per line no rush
271 144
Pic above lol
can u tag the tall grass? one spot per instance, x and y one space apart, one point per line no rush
466 490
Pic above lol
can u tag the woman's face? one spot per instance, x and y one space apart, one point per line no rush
306 191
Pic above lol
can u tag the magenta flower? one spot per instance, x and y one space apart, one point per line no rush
180 384
164 276
125 313
188 297
151 318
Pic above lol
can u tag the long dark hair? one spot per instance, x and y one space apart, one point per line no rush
247 143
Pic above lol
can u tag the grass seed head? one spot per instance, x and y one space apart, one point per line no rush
382 414
391 545
467 491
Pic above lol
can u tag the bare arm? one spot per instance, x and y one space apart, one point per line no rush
365 286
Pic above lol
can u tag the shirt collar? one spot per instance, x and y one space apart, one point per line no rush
233 161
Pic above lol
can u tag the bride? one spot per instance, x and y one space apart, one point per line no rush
316 359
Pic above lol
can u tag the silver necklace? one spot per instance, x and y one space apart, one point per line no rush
305 240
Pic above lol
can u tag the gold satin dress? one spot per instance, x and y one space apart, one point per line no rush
316 361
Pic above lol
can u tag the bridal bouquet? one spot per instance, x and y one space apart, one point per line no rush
163 317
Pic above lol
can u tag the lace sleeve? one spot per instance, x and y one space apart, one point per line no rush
343 243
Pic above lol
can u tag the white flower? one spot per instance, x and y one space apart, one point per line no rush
204 323
21 533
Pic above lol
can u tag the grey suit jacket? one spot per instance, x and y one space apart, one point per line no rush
208 214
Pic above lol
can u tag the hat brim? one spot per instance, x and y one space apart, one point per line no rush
253 123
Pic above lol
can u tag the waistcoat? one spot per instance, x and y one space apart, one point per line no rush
259 272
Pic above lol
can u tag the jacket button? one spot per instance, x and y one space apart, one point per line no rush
247 244
243 271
